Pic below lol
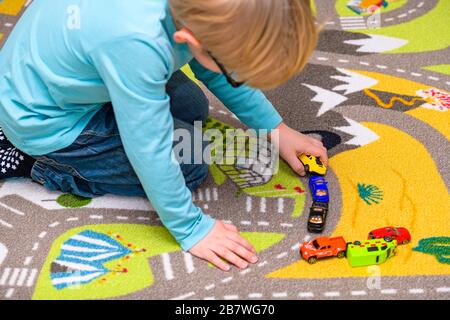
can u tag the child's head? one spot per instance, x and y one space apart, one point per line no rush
265 42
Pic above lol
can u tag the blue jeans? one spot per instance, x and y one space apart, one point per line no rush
96 163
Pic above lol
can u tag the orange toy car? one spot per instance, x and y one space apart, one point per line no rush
323 247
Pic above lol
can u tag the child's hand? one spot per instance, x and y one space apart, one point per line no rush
292 144
225 242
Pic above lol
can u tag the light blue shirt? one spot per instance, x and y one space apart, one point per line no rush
65 59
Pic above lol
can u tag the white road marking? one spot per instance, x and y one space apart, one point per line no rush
359 293
263 205
443 289
433 78
72 219
389 19
248 204
96 217
209 298
323 59
231 297
54 224
282 255
306 238
286 225
296 246
343 61
185 296
403 15
42 234
5 276
279 294
200 194
306 295
168 271
420 5
35 246
22 277
263 223
6 224
332 294
255 295
364 63
122 218
31 277
208 194
226 280
188 262
9 293
210 286
27 261
13 278
262 264
244 272
227 221
143 218
381 66
388 291
18 212
401 70
280 205
215 194
246 223
415 74
416 291
412 10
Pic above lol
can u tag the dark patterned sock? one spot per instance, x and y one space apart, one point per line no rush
13 162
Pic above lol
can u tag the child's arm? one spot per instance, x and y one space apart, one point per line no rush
256 111
135 72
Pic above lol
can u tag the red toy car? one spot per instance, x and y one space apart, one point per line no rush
322 248
402 235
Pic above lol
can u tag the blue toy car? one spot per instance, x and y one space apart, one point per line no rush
319 189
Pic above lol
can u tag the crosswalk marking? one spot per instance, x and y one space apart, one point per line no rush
248 207
18 277
167 266
280 205
263 205
189 262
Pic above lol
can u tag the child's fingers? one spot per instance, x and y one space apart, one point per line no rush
243 249
296 165
241 241
320 152
215 260
231 257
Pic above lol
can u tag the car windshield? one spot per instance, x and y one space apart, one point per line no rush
321 193
396 231
316 244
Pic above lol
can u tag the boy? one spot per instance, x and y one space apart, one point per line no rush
92 91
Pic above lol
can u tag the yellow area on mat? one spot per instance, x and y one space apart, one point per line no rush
11 7
415 197
437 119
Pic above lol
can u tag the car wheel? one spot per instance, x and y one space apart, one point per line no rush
388 239
312 260
357 243
341 255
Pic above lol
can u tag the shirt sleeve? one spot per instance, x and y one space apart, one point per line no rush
136 71
250 105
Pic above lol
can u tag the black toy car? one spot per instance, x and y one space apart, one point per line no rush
317 217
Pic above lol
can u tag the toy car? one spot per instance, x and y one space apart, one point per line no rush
370 252
319 189
317 217
402 235
323 247
313 165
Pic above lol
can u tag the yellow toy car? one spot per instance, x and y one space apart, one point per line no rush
313 165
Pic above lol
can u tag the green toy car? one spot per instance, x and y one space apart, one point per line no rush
370 252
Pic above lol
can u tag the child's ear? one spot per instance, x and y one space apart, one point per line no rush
185 35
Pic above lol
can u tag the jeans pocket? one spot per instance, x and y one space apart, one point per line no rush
63 168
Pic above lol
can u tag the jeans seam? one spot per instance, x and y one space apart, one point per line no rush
65 167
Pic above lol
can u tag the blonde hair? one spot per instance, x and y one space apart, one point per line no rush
265 42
